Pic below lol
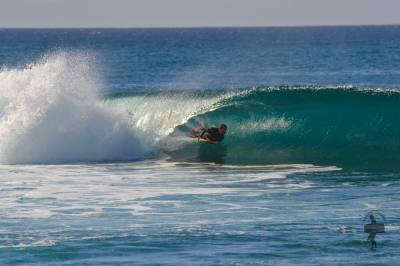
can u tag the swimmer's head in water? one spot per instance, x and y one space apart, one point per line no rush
222 129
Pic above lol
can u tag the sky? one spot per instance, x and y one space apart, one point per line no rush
195 13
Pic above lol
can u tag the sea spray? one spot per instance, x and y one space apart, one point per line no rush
51 112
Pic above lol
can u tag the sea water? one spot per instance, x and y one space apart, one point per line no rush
97 166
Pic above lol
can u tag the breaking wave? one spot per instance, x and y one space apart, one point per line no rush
347 127
53 111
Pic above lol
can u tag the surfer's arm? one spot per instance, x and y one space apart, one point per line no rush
200 139
198 129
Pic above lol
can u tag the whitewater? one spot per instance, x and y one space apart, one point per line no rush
97 166
51 113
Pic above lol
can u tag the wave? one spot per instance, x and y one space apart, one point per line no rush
51 112
348 127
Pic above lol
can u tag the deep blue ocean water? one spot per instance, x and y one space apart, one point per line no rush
97 166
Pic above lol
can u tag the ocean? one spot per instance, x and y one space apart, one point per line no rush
97 166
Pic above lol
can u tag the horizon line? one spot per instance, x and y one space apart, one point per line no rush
205 27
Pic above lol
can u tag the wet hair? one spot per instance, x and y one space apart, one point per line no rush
223 126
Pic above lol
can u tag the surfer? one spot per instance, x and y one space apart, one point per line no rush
372 235
211 135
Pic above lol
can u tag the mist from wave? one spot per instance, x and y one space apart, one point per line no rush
51 112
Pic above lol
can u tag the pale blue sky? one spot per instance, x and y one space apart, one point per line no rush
190 13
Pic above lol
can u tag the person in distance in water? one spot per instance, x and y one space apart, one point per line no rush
211 135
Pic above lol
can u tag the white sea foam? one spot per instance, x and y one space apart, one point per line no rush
50 112
118 200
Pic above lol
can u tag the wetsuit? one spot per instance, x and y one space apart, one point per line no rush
212 134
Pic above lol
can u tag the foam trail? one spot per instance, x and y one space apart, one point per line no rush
50 112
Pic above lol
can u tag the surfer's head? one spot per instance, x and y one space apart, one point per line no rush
222 129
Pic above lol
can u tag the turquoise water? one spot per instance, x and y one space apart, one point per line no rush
348 127
96 167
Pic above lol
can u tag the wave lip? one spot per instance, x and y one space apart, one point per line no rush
51 112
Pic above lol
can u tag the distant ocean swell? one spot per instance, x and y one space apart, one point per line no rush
52 112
